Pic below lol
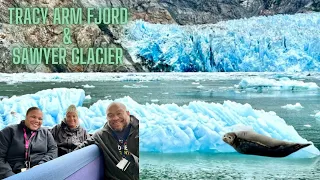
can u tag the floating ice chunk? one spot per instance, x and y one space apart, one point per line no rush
88 86
135 86
317 116
296 106
52 102
154 100
307 125
107 96
283 84
88 97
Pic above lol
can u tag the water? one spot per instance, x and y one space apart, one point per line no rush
225 166
200 165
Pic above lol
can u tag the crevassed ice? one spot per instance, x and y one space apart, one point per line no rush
280 43
166 128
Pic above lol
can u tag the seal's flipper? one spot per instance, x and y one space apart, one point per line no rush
300 146
304 145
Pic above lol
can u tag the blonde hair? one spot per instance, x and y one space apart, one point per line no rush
72 108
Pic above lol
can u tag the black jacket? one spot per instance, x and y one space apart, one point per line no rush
12 151
109 146
68 139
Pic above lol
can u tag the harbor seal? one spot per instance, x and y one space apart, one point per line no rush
249 142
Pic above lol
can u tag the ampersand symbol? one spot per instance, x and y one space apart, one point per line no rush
66 37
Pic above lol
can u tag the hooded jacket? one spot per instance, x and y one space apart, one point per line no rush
109 146
68 139
12 151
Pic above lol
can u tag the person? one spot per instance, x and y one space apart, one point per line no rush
25 145
68 135
119 142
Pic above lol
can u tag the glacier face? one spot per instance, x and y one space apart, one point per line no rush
166 128
280 43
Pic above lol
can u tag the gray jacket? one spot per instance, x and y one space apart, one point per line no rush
12 151
68 139
109 146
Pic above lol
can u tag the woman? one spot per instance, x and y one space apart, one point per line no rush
68 135
25 145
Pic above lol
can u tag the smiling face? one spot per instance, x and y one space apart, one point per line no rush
229 138
118 117
34 119
72 119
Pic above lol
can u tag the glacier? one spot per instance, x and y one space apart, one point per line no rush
166 128
279 43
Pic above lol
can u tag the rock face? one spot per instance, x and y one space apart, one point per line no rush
203 11
49 36
154 11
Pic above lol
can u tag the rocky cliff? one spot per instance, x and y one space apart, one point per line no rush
155 11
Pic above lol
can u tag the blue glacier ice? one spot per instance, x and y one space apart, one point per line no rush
52 102
280 43
165 128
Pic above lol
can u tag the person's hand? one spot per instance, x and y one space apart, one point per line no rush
130 158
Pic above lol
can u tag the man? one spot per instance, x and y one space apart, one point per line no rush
119 142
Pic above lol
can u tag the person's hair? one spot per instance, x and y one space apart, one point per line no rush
72 108
32 109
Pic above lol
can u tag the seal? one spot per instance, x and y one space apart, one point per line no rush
249 142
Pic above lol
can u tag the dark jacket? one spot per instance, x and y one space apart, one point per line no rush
12 151
68 139
109 146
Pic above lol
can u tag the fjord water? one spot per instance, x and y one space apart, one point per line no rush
198 165
225 166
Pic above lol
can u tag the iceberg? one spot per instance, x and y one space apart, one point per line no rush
279 43
52 102
317 116
88 86
283 84
296 106
199 126
165 128
88 97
